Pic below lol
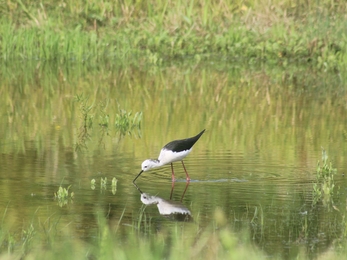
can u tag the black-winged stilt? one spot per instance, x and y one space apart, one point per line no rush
172 152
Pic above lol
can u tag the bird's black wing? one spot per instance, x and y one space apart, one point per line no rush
184 144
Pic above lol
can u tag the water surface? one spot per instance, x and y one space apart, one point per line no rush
265 129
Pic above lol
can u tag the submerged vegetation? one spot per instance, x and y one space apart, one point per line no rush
277 32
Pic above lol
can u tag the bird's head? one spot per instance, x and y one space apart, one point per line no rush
149 164
148 199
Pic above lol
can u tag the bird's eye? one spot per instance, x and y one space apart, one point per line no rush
145 166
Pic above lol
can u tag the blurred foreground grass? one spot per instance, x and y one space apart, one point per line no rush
177 241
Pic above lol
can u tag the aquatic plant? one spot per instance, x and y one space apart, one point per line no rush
92 184
86 121
323 187
126 123
103 183
63 196
114 185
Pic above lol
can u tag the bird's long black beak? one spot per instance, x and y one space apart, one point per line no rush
137 187
137 176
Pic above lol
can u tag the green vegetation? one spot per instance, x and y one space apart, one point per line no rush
92 184
114 185
276 32
103 184
63 196
124 122
86 123
323 187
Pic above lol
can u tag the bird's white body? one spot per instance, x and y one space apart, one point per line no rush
165 157
168 156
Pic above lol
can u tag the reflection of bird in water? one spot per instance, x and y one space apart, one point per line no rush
165 207
173 210
174 151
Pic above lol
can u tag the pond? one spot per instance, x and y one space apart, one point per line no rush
266 129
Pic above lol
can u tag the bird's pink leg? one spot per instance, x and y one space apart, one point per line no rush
187 184
188 178
172 189
173 175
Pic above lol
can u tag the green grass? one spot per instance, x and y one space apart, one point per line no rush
278 32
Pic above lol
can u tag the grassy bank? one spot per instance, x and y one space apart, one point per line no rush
253 31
